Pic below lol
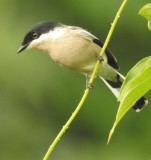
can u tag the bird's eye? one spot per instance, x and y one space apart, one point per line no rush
34 35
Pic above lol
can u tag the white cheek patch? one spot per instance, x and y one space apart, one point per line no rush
53 34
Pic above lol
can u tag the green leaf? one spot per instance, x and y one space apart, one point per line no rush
146 12
136 84
133 77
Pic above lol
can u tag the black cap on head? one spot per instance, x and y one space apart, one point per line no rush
36 31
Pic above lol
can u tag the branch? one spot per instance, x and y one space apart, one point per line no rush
65 127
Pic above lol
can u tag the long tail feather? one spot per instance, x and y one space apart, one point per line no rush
116 86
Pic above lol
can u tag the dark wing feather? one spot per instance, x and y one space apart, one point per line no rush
111 59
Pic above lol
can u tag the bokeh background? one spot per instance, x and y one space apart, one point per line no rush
37 96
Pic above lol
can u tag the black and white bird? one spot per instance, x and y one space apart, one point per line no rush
77 49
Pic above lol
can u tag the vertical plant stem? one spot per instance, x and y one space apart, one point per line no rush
108 37
65 127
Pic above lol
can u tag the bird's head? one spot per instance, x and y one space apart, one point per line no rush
37 34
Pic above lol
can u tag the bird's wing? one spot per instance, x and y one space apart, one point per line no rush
85 34
111 58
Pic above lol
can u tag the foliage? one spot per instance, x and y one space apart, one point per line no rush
137 82
37 96
146 12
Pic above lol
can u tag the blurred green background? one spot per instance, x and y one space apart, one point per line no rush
37 96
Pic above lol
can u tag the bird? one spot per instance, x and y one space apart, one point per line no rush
77 49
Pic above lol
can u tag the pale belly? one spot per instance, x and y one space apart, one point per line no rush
77 54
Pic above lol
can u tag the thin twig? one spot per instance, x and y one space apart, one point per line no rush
65 127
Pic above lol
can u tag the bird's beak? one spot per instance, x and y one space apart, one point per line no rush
22 47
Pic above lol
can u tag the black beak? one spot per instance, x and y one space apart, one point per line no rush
22 47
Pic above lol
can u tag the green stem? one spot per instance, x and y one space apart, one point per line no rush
65 127
108 38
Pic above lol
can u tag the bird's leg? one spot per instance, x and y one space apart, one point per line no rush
100 58
88 85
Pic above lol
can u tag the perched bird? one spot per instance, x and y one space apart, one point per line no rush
77 49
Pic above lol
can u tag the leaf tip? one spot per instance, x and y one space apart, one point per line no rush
111 133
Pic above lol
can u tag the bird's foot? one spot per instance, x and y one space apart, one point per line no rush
100 58
88 84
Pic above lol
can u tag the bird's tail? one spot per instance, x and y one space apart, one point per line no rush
116 86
